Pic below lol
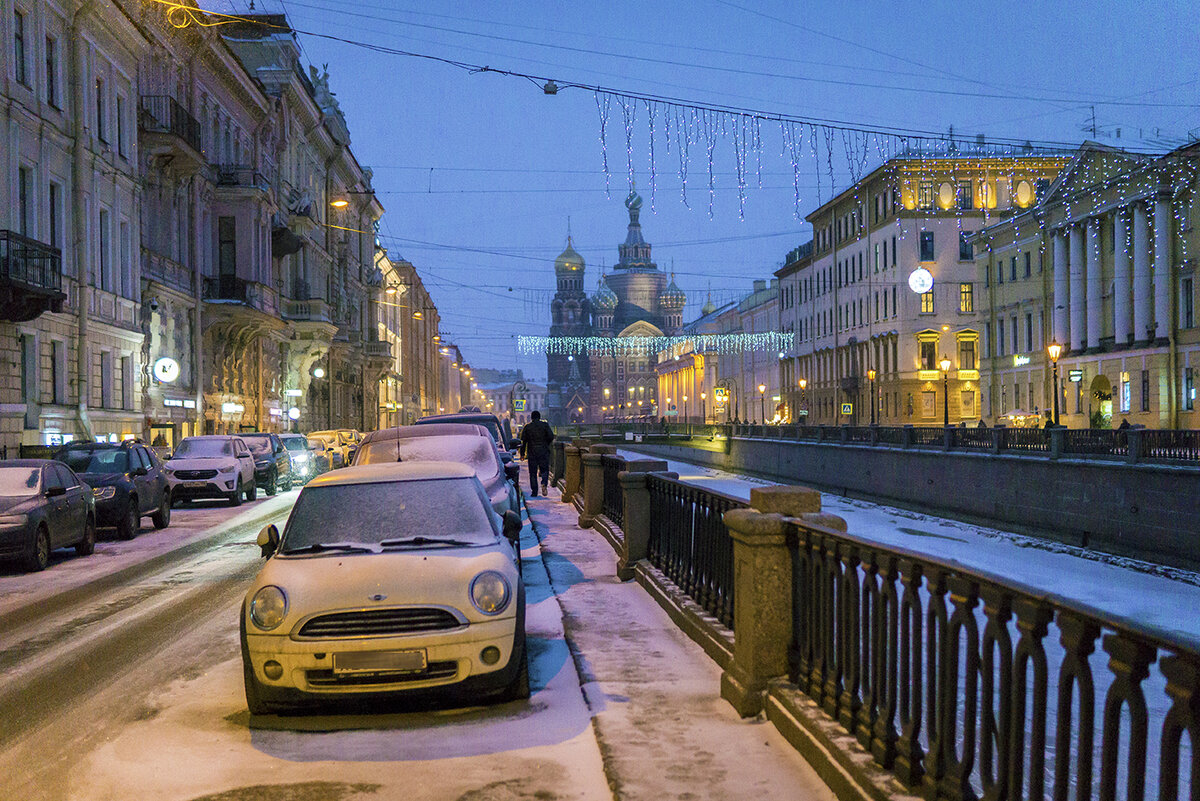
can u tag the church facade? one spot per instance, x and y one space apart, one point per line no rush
635 300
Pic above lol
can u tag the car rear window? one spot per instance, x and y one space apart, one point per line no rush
448 508
477 453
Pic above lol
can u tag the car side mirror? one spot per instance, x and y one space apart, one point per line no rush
268 540
514 444
54 492
513 471
512 526
138 471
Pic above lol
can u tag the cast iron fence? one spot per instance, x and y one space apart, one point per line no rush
614 497
1168 444
690 544
968 686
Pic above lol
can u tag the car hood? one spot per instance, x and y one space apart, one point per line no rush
18 504
435 576
202 463
103 479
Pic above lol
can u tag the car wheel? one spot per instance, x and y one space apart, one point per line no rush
87 545
162 518
287 487
272 483
235 497
252 491
39 554
254 699
519 689
128 525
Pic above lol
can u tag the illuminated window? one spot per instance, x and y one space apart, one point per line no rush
929 359
966 354
966 297
927 302
925 195
966 199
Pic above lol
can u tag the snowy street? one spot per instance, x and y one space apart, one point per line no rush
122 679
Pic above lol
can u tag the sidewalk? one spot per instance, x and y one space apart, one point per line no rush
654 695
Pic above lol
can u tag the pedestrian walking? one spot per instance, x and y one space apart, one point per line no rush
536 437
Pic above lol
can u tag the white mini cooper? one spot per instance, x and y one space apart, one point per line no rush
388 579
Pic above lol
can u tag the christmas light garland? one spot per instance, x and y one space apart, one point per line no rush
626 346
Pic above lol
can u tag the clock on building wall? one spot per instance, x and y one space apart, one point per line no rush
166 370
920 280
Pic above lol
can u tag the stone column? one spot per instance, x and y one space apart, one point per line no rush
636 489
593 484
1094 294
1162 266
1122 285
571 486
1141 273
1062 329
762 580
1078 340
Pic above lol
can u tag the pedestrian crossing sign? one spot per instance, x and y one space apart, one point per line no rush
519 405
847 408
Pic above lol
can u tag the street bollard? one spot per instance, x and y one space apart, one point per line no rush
636 492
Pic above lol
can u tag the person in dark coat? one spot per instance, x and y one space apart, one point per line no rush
536 437
1124 424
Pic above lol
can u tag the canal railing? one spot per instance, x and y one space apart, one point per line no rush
893 665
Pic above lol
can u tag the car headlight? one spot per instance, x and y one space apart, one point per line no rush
229 468
300 458
490 592
13 520
104 493
268 607
261 462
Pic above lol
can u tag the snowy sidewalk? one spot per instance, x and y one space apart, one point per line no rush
662 728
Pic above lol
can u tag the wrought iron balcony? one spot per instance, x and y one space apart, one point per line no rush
239 175
170 130
307 311
233 288
30 277
378 350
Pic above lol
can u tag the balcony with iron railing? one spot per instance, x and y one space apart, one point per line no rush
239 175
170 129
30 277
249 293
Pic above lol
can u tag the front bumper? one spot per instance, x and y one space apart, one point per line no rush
453 662
217 487
111 511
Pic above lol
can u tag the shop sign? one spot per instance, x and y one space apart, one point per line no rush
232 408
1019 360
166 370
275 412
1075 376
292 393
293 413
180 403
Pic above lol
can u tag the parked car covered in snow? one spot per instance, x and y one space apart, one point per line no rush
387 579
43 506
215 466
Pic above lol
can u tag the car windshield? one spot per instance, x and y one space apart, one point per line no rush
203 449
392 511
474 451
486 421
295 443
16 482
260 444
107 460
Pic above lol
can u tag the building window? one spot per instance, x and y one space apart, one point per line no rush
927 246
126 255
127 382
227 246
965 198
1126 400
895 309
1028 263
106 273
929 357
120 120
966 354
1012 274
1000 271
1189 389
25 201
1016 336
966 297
966 251
999 337
106 379
52 71
101 117
927 302
987 339
29 368
925 195
55 215
1029 333
1145 390
21 73
1187 304
58 371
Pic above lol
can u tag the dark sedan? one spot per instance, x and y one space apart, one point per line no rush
127 481
43 506
272 464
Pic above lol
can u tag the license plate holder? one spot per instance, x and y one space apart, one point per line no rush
194 484
359 663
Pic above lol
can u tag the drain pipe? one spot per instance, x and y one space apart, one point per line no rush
79 210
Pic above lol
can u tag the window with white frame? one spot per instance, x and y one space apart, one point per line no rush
20 57
52 72
101 111
106 379
58 368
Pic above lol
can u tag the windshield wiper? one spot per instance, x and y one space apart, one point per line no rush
317 547
400 543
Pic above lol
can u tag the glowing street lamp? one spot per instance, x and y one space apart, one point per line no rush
871 376
762 403
1054 350
703 411
945 365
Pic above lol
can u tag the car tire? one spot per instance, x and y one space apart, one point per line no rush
252 491
162 518
519 689
288 486
254 695
38 557
272 483
87 545
130 522
235 497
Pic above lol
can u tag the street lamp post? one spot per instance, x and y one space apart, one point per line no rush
871 377
703 410
1054 351
945 365
804 399
762 403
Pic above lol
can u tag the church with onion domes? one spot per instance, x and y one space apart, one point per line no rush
635 299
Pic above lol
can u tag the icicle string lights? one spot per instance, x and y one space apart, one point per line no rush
623 346
602 107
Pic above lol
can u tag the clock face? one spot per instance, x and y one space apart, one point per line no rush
166 370
920 280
